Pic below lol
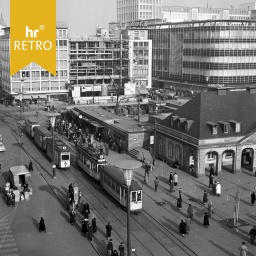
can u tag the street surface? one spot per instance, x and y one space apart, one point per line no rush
18 226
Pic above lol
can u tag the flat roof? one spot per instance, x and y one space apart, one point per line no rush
100 115
19 170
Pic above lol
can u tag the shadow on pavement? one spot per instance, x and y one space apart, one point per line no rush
35 222
228 253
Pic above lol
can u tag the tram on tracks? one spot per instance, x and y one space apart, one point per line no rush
40 136
90 161
30 124
61 153
112 181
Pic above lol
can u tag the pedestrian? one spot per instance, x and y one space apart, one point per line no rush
115 253
106 148
211 171
253 197
22 193
171 182
182 228
12 198
175 179
206 220
252 234
188 223
108 229
210 208
214 187
218 189
72 216
211 180
36 113
42 225
84 226
121 249
243 249
180 192
205 197
156 183
8 198
90 231
190 212
110 247
94 225
146 176
30 166
179 203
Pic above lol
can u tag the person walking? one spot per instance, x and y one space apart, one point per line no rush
175 179
72 218
182 228
210 208
190 212
218 189
121 249
94 225
84 226
206 220
42 225
171 182
214 187
253 197
211 180
90 231
110 247
106 148
243 249
188 223
108 230
205 197
179 203
146 175
252 234
156 182
30 166
211 171
12 198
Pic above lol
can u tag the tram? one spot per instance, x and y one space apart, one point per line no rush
112 180
91 161
30 124
40 136
61 153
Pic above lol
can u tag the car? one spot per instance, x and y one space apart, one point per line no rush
2 147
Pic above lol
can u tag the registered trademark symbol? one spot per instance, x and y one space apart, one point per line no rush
42 27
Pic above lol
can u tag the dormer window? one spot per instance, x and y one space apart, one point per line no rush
180 121
173 118
214 127
187 124
225 126
236 125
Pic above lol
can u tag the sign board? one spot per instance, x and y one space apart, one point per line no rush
151 140
129 89
95 88
75 94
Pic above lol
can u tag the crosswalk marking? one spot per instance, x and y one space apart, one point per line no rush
8 246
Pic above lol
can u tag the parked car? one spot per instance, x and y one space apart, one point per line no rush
2 147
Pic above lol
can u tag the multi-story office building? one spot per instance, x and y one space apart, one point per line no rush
2 25
180 13
138 10
202 54
34 81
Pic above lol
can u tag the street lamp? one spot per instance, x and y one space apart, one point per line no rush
20 96
52 117
127 166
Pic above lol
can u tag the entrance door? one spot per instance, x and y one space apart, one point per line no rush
22 179
247 159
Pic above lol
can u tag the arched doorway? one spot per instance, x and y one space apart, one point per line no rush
211 160
228 161
247 159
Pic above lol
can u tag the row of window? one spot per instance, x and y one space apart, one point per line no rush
174 151
218 52
219 40
214 65
225 126
27 74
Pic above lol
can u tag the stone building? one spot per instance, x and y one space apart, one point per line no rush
214 128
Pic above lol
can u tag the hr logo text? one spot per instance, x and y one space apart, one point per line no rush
37 45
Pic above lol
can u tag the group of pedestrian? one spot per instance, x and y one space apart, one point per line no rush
112 252
173 181
89 228
215 185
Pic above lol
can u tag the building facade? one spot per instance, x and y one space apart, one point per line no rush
33 81
201 55
211 129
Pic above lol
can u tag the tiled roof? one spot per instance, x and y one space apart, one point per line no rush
208 108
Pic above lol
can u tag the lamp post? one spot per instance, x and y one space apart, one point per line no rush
127 166
52 117
20 96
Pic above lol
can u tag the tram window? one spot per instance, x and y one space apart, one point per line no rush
94 167
139 195
113 185
99 168
133 196
117 188
65 157
88 163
